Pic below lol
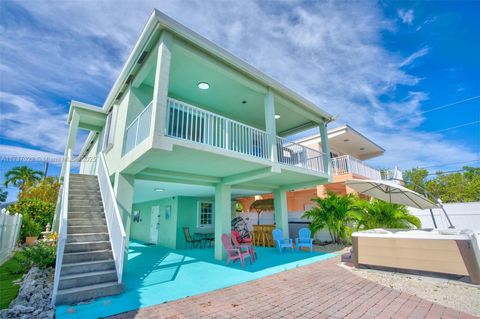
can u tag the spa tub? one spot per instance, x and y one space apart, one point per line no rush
448 251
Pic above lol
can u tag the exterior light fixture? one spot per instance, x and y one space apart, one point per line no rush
203 85
244 102
362 148
346 140
159 189
277 116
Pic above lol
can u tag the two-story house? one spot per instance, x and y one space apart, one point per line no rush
186 129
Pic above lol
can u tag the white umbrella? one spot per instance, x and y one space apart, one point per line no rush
392 192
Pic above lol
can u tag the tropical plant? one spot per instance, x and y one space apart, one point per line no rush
262 205
46 190
379 214
42 254
333 212
3 195
22 175
29 228
39 211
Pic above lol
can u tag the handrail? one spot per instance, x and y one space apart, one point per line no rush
139 129
295 154
348 164
62 224
116 229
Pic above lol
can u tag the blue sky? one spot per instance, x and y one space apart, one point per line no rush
381 66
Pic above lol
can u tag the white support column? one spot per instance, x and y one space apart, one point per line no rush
223 211
160 87
281 211
325 150
123 190
270 126
72 137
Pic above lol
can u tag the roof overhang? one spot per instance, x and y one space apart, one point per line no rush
92 117
159 22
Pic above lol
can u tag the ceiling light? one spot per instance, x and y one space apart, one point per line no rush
159 189
277 116
203 85
346 140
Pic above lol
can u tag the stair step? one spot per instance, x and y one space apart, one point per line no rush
82 238
86 229
85 202
80 196
87 266
83 215
87 279
79 209
87 246
74 295
96 221
87 256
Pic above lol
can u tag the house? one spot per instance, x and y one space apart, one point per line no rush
348 149
186 129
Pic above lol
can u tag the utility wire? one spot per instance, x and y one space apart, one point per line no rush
454 127
448 164
450 104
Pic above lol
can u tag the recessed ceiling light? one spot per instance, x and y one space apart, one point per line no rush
277 116
203 85
159 189
362 148
346 140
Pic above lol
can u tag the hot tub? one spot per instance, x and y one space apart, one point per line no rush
448 251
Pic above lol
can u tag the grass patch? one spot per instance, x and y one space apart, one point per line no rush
12 270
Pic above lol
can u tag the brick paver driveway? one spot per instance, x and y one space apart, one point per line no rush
320 290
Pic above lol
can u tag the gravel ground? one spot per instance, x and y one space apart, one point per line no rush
451 293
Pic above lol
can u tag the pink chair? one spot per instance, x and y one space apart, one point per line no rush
234 253
243 245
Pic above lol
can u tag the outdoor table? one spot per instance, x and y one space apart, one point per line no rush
205 236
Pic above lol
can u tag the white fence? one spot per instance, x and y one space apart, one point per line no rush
9 229
294 154
462 215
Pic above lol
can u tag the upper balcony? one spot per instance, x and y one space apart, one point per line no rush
346 164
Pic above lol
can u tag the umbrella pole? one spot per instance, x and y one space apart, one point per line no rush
433 219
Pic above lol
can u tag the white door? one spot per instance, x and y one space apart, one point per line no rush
154 224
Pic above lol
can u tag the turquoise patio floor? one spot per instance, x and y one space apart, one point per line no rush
156 274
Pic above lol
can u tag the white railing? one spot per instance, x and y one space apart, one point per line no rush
294 154
185 121
138 130
62 221
112 215
347 164
9 229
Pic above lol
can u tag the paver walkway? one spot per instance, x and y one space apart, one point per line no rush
320 290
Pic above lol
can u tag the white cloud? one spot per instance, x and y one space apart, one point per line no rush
330 52
406 16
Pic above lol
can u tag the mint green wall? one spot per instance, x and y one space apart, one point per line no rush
187 217
167 229
139 99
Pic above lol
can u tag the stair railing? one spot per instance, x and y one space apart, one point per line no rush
112 215
62 221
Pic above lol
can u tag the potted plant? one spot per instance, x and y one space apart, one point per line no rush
30 230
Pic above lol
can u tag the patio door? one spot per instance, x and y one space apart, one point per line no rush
154 224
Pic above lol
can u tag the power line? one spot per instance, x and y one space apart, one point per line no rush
454 127
448 164
450 104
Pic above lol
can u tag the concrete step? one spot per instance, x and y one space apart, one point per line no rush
87 266
96 221
84 186
87 246
82 238
85 202
79 209
74 295
85 214
93 255
87 279
80 196
86 229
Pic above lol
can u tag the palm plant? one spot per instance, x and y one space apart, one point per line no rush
334 213
379 214
20 176
3 195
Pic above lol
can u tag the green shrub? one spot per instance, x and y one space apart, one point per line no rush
29 227
39 212
42 254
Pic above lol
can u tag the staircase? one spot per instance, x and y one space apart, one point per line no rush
88 268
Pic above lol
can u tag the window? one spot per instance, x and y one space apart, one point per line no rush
109 130
205 214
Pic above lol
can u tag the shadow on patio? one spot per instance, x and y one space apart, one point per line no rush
156 274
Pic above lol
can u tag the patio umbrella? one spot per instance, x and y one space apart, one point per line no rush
393 192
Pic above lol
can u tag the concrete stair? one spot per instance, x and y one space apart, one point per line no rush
88 269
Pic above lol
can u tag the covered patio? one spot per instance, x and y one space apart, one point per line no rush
156 275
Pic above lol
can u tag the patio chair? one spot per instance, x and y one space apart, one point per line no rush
281 242
304 239
234 253
243 245
189 239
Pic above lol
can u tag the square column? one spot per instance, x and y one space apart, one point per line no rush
223 213
326 150
123 190
270 125
71 139
281 211
160 87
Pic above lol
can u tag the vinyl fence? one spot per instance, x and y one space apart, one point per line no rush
9 229
462 215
